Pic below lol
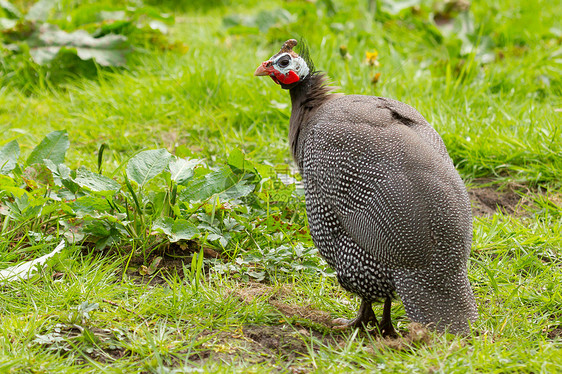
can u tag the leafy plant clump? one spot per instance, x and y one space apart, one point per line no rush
48 45
153 201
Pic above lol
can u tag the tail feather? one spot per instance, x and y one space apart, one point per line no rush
432 298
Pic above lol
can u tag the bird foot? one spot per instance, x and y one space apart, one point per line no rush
343 323
364 317
387 330
385 327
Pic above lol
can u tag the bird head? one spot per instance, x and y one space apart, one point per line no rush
286 68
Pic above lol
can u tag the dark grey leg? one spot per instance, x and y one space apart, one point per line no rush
364 317
385 327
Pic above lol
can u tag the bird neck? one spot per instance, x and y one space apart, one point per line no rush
306 98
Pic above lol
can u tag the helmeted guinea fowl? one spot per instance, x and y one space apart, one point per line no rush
385 205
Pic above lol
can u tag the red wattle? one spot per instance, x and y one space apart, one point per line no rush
291 77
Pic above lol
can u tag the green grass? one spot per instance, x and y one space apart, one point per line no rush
499 120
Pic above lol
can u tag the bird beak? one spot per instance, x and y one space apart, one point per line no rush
263 69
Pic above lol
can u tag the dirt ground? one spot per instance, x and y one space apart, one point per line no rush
486 201
289 341
555 333
293 339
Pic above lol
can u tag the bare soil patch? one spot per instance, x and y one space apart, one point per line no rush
283 341
510 199
286 344
555 333
415 335
280 345
276 345
276 297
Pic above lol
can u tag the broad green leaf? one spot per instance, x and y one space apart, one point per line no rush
222 238
182 170
97 227
183 151
104 232
48 40
60 171
6 181
265 171
38 174
95 182
9 156
16 191
62 176
53 147
147 164
224 183
104 56
25 207
208 185
238 190
90 206
183 229
44 55
10 10
40 10
7 184
236 160
163 225
180 229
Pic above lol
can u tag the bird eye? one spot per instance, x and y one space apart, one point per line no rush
284 63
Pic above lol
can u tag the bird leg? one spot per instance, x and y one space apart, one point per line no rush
362 320
385 327
366 316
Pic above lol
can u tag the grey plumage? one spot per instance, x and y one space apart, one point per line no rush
386 207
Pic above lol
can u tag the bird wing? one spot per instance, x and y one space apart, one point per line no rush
387 176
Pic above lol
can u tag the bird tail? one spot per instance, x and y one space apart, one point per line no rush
444 302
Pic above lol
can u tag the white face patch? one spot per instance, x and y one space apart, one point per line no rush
296 64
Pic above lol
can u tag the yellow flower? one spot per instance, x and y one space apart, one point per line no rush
372 58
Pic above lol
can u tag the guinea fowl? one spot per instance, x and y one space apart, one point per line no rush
385 205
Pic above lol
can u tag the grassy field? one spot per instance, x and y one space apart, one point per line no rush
240 287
